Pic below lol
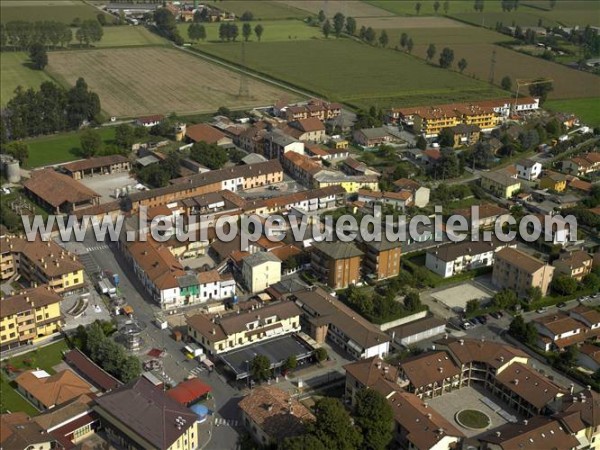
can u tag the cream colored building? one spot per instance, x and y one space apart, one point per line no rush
519 272
260 270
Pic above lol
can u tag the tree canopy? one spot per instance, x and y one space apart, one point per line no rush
375 418
209 155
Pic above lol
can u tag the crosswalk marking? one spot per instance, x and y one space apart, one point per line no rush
231 422
97 248
197 371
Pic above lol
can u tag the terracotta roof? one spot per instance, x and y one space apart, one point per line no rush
559 323
486 211
530 385
286 200
581 185
554 176
493 354
56 417
158 263
575 259
402 195
428 368
95 163
276 412
286 252
304 162
523 261
369 371
538 433
56 189
432 153
19 431
592 351
308 125
405 183
54 389
150 119
188 391
589 409
501 177
91 371
589 314
204 133
28 300
147 411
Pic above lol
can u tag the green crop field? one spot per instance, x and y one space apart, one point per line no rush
355 73
262 10
587 109
59 148
274 30
14 72
128 35
59 10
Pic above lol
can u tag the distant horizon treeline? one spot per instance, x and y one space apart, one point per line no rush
21 35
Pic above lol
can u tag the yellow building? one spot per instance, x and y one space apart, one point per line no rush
260 270
40 262
500 184
553 180
350 183
29 316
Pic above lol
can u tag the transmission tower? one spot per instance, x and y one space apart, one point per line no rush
492 67
244 91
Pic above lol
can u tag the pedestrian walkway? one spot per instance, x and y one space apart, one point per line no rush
97 248
219 421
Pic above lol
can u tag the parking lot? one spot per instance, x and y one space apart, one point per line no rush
457 297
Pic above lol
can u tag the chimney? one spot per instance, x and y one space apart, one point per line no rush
516 381
498 433
462 342
525 422
378 364
213 331
571 388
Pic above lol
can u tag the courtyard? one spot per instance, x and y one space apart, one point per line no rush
106 185
457 297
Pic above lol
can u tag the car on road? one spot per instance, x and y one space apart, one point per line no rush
541 310
466 325
561 305
474 322
482 319
497 315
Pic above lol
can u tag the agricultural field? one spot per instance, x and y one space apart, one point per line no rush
263 10
59 148
344 70
585 108
274 30
14 72
33 10
128 36
155 80
350 8
405 23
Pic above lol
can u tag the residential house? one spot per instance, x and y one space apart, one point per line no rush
21 432
271 414
552 229
40 262
215 286
59 193
578 414
301 167
310 200
350 183
338 143
324 317
372 137
483 216
311 129
382 258
582 165
277 144
260 270
29 316
101 165
580 185
553 180
368 374
398 200
528 169
465 135
589 357
224 333
520 272
46 391
558 330
337 263
576 264
419 193
457 257
203 132
164 424
319 109
149 121
500 184
588 316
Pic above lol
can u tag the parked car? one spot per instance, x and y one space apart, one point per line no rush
496 315
474 322
482 319
561 305
541 310
466 325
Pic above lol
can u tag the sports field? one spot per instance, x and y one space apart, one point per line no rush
128 35
263 10
33 10
356 73
15 72
156 80
274 30
587 109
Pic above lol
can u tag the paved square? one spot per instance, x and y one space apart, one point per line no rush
458 296
471 398
105 185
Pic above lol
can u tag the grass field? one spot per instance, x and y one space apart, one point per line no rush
263 10
587 109
10 400
156 80
274 30
123 36
350 8
14 72
33 10
59 148
356 73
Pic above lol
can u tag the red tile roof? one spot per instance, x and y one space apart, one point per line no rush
189 391
204 133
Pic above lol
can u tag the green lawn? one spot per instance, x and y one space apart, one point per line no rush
344 70
44 358
60 10
473 418
587 109
11 400
128 35
262 10
274 30
14 72
59 148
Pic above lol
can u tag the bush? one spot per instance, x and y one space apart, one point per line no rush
321 354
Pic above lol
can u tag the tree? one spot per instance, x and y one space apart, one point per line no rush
525 332
592 282
303 442
409 45
421 142
412 301
552 4
506 83
233 32
446 7
333 426
436 6
258 31
338 24
472 306
564 285
351 26
446 137
321 354
403 40
246 31
321 16
431 52
260 368
326 29
383 38
38 56
541 90
446 58
247 16
534 294
18 150
130 369
478 6
290 363
91 142
82 104
370 35
92 31
375 419
569 356
209 155
124 136
101 18
418 7
462 65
